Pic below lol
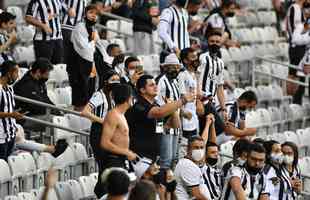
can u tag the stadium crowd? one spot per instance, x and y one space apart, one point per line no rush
165 130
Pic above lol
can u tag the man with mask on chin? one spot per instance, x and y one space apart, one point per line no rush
190 182
217 19
84 37
9 74
247 182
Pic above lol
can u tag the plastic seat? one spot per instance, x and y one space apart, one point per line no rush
114 25
81 158
65 164
30 169
11 198
226 149
292 137
62 134
44 161
77 122
87 185
120 42
25 33
63 96
5 179
24 54
63 191
17 11
76 189
18 170
25 196
252 120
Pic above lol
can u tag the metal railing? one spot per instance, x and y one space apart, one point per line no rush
48 124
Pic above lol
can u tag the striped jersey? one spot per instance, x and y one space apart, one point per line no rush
167 90
6 54
79 7
253 185
296 174
48 12
174 21
8 126
294 18
234 114
99 103
211 73
213 181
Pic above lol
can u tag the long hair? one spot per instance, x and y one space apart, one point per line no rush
295 150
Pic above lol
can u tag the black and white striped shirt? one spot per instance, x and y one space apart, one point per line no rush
211 74
295 18
234 114
213 181
296 174
6 54
99 103
79 7
253 185
46 11
172 28
167 90
8 125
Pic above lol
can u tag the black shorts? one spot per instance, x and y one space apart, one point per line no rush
295 55
52 50
6 149
189 134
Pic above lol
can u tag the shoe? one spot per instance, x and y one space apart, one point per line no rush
61 146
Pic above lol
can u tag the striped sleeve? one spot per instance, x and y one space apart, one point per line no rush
220 77
96 100
32 9
181 83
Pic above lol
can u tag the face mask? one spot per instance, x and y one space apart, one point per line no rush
253 170
157 178
288 159
195 64
171 186
198 154
90 22
11 81
172 75
212 161
241 162
43 80
277 158
214 48
230 14
131 72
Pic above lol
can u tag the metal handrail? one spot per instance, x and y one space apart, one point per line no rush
49 124
278 62
46 105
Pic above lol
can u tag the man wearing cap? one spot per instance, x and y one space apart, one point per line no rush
217 19
168 91
173 24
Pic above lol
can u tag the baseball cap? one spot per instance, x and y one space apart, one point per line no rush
142 166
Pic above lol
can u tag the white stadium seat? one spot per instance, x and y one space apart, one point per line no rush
63 191
62 134
25 196
65 164
88 186
11 198
76 189
5 179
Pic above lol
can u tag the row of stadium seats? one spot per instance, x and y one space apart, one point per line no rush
25 172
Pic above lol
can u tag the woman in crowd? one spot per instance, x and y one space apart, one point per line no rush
290 167
278 185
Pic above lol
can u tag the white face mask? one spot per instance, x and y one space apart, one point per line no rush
241 162
131 72
288 159
198 154
277 158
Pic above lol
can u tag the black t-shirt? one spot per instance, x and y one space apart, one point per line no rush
144 132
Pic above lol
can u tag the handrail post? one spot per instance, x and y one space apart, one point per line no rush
253 72
48 130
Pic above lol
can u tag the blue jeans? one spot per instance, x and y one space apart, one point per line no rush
168 150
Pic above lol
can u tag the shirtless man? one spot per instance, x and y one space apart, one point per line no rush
115 134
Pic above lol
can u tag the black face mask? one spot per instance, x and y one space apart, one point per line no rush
242 109
43 80
212 161
171 186
193 13
214 49
252 170
230 14
172 75
89 22
157 178
195 64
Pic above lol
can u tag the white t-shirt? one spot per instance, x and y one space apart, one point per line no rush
188 175
187 82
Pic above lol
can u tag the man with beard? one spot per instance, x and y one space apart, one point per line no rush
247 182
84 37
